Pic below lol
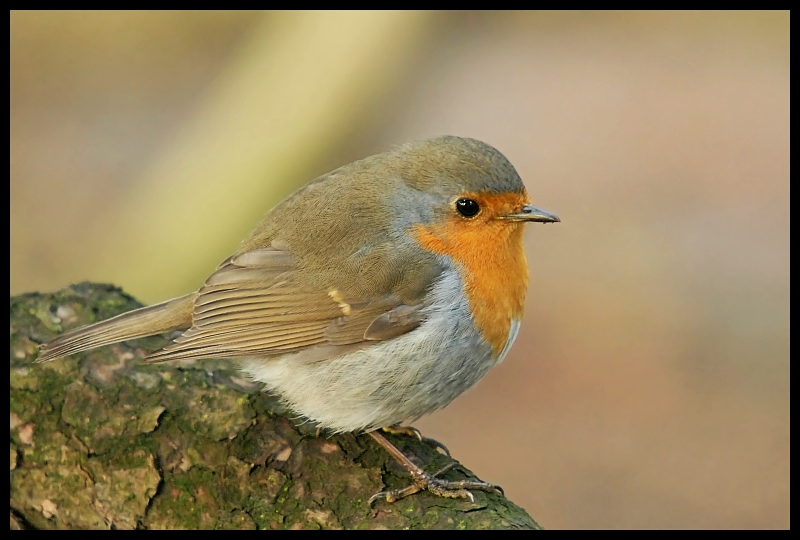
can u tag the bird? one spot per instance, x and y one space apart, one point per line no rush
375 294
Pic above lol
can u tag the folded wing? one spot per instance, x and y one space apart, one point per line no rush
262 303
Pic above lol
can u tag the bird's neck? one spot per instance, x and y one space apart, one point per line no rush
491 260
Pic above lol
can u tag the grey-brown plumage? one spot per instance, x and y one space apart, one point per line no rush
174 314
377 293
326 268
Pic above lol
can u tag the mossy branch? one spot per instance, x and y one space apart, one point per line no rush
101 440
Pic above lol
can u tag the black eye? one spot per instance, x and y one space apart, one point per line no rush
467 207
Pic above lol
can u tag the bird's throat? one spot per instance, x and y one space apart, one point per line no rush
491 260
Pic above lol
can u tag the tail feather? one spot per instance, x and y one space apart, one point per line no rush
173 314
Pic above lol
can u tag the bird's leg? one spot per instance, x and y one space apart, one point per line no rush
410 431
426 481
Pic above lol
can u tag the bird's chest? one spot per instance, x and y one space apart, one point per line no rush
494 275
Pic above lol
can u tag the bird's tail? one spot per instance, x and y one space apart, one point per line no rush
173 314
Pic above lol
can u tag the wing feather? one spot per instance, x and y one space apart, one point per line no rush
260 303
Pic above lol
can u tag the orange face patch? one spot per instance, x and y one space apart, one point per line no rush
491 260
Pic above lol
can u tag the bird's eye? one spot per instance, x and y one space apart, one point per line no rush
467 207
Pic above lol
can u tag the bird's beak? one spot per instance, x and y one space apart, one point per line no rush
531 213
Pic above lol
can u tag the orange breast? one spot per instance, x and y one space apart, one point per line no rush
491 258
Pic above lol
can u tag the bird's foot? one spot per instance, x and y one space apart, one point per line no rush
397 429
423 481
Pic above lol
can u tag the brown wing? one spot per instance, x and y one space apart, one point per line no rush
260 303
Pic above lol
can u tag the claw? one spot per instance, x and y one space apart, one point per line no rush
425 481
443 488
410 431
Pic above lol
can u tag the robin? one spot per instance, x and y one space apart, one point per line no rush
377 293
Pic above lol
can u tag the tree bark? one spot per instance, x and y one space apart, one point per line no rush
100 440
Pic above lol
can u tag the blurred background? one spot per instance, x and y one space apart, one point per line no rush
649 385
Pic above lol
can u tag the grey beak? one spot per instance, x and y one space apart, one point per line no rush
531 213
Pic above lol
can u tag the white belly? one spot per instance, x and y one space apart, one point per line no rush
391 381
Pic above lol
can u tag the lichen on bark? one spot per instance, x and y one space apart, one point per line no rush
101 440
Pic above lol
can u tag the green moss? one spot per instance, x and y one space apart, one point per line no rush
101 440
